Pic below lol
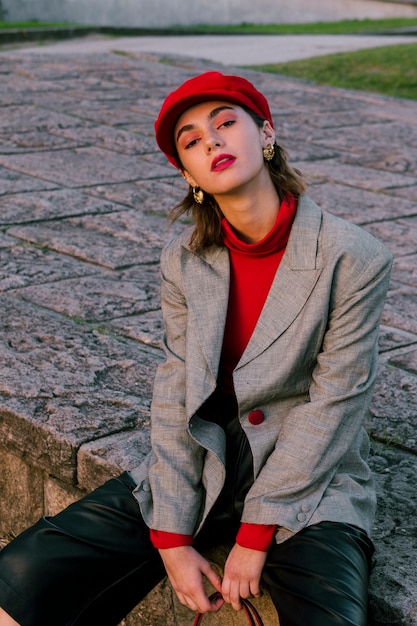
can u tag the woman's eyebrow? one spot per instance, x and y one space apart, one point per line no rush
211 115
218 110
184 129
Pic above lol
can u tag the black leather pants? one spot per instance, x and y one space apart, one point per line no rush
319 577
93 562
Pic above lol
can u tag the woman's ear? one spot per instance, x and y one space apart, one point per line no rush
190 180
268 134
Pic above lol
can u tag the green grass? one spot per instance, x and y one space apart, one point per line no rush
343 27
388 70
36 24
331 28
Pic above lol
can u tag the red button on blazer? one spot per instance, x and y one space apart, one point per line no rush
256 417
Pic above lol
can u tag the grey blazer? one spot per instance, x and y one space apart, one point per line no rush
309 366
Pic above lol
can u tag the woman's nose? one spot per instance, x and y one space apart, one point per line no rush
212 142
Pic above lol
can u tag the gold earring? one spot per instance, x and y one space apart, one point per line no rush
269 152
198 195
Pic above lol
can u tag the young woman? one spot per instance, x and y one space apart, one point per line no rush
271 309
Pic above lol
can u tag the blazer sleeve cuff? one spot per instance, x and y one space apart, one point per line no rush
163 540
256 536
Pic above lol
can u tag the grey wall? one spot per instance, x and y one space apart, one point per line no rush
156 13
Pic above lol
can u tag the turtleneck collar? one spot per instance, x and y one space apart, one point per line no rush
274 240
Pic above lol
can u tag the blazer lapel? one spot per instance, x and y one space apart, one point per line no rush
206 280
294 281
207 277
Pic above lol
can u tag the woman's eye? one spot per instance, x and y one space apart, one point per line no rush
191 143
227 123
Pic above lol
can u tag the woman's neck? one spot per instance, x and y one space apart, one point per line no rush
251 215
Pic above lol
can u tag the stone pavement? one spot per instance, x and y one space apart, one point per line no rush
84 195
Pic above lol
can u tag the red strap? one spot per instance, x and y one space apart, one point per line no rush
253 617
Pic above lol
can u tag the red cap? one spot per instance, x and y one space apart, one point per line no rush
202 88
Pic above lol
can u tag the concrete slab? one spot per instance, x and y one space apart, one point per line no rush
227 50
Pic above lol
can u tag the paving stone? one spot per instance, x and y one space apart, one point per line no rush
332 170
150 196
399 109
9 97
5 240
115 241
22 265
51 72
377 149
146 327
359 206
405 192
320 122
37 140
109 113
91 98
94 85
410 221
306 151
399 160
27 118
110 456
82 166
17 90
392 338
13 182
405 360
115 139
24 208
400 309
394 407
60 102
405 270
97 298
306 97
394 575
62 385
397 235
157 158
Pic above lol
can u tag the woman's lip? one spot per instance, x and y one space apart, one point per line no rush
222 161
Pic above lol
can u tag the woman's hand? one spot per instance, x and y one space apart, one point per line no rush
242 575
185 568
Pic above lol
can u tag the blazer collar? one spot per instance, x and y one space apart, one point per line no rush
293 283
206 281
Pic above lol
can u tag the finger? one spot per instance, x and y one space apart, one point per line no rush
244 590
255 589
186 601
235 596
213 577
225 590
217 604
195 598
202 605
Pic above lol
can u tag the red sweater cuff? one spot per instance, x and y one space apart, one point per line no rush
162 540
256 536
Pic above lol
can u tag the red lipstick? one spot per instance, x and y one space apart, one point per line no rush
221 162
